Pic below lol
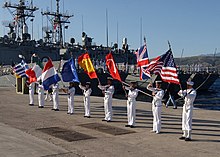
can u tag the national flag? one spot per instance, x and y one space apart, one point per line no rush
169 71
86 63
142 61
153 67
142 56
68 72
144 75
34 73
165 66
49 75
110 63
20 69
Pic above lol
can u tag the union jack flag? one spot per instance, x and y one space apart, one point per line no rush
165 66
142 61
142 56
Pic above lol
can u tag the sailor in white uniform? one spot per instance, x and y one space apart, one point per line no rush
49 94
131 104
31 94
40 95
108 91
189 96
70 93
86 92
55 97
158 94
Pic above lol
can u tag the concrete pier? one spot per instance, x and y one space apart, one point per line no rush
21 130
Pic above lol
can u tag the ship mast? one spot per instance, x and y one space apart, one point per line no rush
21 13
58 20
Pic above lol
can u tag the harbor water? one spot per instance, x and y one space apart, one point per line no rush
209 99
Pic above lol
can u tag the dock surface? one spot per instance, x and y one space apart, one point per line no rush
31 131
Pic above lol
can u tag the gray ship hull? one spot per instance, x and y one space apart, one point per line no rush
9 52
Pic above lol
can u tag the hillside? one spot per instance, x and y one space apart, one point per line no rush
203 61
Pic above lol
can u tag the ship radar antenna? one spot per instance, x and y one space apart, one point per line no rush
20 13
58 21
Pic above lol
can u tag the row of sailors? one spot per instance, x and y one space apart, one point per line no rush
108 90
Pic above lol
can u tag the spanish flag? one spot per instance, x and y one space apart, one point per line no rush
86 63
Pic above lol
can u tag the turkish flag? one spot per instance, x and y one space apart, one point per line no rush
112 67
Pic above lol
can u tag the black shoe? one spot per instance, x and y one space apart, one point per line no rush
40 106
109 121
88 117
127 125
182 138
52 109
67 113
56 109
31 104
71 113
104 120
132 126
188 139
175 108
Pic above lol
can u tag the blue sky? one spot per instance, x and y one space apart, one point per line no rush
190 24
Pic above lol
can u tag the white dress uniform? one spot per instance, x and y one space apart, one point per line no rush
31 93
190 95
131 105
156 108
56 96
41 95
71 93
48 95
86 93
109 91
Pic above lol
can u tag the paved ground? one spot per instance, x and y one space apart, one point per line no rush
20 135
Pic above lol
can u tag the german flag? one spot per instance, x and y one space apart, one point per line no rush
86 63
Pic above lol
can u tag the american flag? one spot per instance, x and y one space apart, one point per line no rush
165 66
20 69
142 56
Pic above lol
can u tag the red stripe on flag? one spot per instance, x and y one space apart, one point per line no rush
48 65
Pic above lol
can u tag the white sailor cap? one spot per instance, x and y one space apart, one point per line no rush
158 82
190 83
88 83
109 78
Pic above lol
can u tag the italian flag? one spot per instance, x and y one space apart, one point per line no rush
34 73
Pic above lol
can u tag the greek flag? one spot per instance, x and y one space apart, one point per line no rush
21 68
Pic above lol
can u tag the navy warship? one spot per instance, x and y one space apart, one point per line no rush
19 41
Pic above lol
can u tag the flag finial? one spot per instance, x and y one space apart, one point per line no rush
145 41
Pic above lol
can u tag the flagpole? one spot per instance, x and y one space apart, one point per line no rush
138 89
177 74
169 44
124 90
